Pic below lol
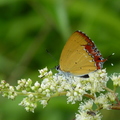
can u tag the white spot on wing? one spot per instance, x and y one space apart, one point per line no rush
90 61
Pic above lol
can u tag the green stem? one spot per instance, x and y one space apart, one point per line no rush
58 94
115 107
89 96
108 89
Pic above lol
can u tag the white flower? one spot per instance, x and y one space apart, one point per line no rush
85 116
28 83
86 105
116 79
85 111
103 101
24 91
37 84
43 102
43 72
111 96
11 96
29 104
18 87
98 81
31 95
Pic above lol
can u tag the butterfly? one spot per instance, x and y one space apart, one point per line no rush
80 56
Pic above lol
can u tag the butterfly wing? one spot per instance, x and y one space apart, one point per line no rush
75 59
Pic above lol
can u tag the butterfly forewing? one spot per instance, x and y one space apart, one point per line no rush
75 59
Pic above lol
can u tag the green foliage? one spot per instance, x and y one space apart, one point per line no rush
29 27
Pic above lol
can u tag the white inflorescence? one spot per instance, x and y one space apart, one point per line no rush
84 110
73 87
116 79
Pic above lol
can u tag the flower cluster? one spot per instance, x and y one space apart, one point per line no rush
75 88
86 113
116 79
97 81
7 90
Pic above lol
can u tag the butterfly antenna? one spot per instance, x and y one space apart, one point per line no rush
52 57
110 55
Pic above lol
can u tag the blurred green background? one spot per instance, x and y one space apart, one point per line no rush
30 27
